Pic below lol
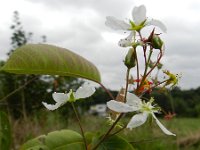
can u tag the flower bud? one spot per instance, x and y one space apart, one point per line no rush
151 64
156 42
159 66
130 59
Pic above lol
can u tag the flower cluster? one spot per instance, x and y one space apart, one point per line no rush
143 83
139 21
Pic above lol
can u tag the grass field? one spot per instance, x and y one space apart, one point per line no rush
146 137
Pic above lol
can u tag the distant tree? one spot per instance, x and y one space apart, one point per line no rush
19 36
28 99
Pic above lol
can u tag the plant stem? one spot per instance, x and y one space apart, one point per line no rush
147 63
154 87
108 132
160 83
107 91
117 131
137 65
79 123
158 60
145 57
126 88
145 72
118 118
144 47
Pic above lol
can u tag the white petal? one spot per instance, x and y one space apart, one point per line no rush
60 97
119 107
127 41
124 43
158 24
51 106
133 100
139 14
137 120
84 91
162 127
163 48
116 24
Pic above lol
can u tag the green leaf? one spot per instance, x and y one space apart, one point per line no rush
5 132
61 138
73 146
52 60
57 140
35 144
114 143
89 136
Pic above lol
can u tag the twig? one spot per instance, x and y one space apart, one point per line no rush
109 93
117 131
79 123
18 89
118 118
138 71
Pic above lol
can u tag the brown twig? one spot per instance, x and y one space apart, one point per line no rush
18 89
107 91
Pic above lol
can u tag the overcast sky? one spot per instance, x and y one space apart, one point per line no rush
79 25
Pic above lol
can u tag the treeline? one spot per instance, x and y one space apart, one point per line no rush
184 103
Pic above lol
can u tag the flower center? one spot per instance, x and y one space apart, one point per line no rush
146 107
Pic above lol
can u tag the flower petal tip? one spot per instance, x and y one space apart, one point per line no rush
51 106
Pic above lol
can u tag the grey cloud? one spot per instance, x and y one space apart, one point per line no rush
105 7
5 43
84 38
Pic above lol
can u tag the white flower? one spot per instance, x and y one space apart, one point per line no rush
61 98
134 103
139 21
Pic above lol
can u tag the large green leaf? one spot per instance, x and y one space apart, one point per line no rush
5 132
57 140
52 60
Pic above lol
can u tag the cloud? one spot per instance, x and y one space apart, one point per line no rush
105 7
78 25
5 44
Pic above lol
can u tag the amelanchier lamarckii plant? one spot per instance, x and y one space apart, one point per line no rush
131 98
133 103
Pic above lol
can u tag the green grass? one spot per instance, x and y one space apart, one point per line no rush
185 126
149 136
146 137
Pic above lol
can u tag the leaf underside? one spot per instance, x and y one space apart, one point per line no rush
43 59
